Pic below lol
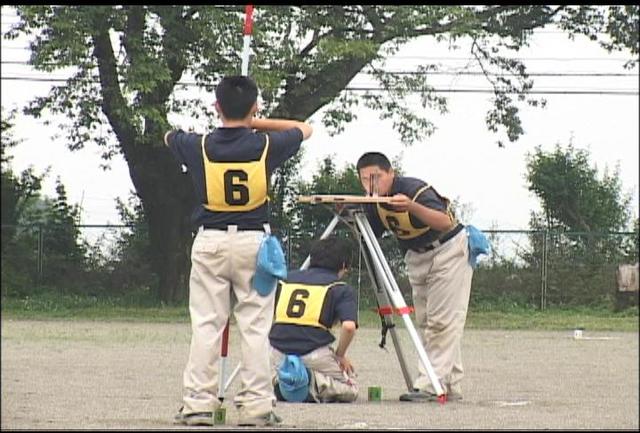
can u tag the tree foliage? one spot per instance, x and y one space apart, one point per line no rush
17 189
41 242
130 62
572 240
125 269
308 222
572 195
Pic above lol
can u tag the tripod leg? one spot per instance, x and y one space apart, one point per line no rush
395 295
383 299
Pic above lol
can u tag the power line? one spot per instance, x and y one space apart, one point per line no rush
536 32
531 92
522 59
531 74
378 89
470 73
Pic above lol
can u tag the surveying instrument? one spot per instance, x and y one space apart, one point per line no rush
387 292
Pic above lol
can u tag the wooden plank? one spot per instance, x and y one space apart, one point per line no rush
332 198
627 277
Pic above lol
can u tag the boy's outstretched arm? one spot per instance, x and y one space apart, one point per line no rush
282 125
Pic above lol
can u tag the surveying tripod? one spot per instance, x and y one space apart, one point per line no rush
387 292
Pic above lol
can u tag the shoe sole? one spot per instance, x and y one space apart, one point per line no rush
204 422
259 425
195 421
260 422
429 398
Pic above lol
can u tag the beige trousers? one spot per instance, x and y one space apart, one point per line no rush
222 262
328 383
441 284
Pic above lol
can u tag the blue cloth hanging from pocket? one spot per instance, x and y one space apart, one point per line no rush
270 266
478 244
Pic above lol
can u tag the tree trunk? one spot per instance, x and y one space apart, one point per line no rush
167 199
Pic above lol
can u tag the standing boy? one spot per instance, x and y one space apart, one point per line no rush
230 169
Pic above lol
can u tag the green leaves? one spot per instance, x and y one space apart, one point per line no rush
303 57
614 27
573 196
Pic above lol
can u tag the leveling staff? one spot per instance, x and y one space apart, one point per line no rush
230 169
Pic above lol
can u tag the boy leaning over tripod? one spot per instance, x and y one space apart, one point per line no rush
437 258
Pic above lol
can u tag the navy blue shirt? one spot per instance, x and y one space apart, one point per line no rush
231 145
430 198
340 305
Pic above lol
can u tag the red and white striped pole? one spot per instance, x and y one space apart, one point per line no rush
223 383
248 29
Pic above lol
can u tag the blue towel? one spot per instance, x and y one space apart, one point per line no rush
478 244
270 267
293 379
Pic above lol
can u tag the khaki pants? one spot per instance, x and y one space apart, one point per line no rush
441 284
222 261
328 383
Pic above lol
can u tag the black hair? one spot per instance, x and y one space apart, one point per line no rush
236 95
373 158
332 253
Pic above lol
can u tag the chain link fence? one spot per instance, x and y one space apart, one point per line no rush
525 267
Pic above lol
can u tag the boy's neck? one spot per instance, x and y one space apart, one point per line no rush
236 123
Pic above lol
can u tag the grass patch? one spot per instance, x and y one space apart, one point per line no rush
74 307
554 319
486 316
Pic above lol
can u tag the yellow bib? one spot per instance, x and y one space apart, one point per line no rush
301 304
400 222
235 186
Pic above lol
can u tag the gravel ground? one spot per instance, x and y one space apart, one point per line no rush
101 375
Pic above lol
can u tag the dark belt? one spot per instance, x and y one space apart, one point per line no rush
442 240
231 227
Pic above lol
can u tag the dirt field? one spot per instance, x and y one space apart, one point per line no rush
97 375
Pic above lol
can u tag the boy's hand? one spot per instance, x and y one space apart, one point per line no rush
345 364
401 202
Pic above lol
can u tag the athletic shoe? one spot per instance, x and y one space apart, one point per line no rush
417 395
269 419
194 418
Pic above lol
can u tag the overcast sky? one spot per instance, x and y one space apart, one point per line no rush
462 159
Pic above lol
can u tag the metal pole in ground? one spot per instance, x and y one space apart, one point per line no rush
222 382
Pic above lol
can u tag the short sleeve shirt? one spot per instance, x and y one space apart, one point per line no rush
340 305
231 145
